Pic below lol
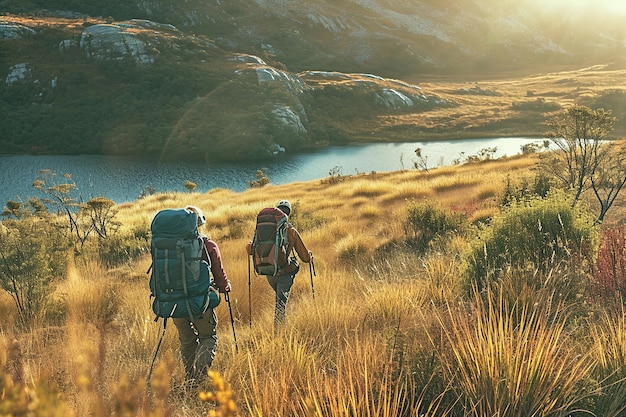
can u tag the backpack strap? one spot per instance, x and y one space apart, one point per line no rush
184 269
208 257
206 252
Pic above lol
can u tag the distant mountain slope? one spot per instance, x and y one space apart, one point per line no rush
391 38
236 80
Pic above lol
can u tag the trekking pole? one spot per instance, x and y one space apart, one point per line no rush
232 321
156 352
249 296
312 273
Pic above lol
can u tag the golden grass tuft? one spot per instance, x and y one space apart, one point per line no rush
88 295
8 311
368 188
488 190
352 247
416 190
608 338
454 182
370 212
514 357
441 278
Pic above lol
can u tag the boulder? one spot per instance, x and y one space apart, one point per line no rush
114 42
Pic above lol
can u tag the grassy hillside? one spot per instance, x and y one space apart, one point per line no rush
198 94
391 330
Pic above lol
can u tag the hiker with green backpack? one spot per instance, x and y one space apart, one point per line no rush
272 251
186 282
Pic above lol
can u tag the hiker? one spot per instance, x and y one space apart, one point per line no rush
282 280
198 340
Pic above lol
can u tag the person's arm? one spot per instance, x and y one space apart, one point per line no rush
295 241
217 269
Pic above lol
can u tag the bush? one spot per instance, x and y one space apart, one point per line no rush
428 221
352 248
33 253
334 176
535 234
121 248
261 180
525 188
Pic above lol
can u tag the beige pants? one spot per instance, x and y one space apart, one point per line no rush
198 341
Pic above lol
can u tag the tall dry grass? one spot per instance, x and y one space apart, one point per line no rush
514 359
608 341
380 331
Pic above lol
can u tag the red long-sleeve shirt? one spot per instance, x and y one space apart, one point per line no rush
217 269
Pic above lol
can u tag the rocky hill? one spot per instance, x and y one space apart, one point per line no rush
238 80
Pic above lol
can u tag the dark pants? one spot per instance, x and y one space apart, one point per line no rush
282 286
197 343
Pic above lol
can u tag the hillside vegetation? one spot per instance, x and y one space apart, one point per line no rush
210 81
393 328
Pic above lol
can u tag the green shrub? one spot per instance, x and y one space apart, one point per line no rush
34 254
428 221
533 234
121 248
525 188
261 180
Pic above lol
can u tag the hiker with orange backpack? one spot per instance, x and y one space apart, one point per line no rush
275 240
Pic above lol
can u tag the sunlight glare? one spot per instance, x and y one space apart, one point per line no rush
607 6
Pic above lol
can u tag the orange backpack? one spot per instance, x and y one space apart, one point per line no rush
269 245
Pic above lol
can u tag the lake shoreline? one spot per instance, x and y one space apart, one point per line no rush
303 151
124 178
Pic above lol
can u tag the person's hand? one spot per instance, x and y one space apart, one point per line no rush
311 255
226 287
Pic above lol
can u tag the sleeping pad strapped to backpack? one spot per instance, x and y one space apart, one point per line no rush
181 280
269 245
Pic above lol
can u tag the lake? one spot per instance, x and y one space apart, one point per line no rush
123 179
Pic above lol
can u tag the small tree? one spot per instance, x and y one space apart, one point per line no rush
190 186
609 178
101 212
261 180
14 208
334 176
578 133
32 254
83 218
60 196
17 209
422 160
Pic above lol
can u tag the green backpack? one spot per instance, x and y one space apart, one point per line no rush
181 281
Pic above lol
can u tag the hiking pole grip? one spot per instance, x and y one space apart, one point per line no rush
232 321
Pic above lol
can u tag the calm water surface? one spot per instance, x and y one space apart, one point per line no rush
123 179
